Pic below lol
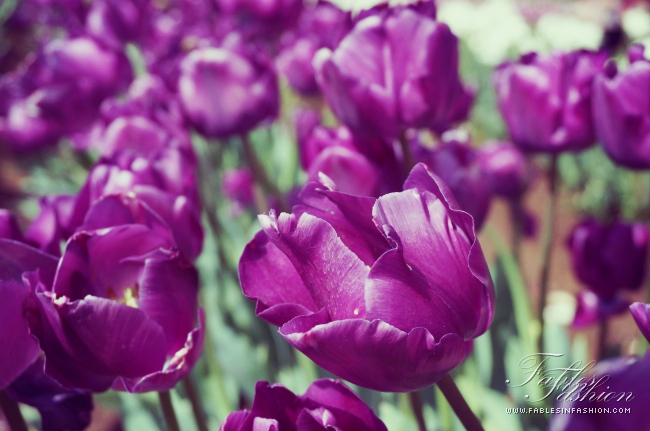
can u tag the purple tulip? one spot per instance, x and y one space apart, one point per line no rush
321 26
507 168
641 314
612 384
17 263
265 19
52 225
122 310
141 182
591 310
609 257
621 111
386 293
9 228
357 165
61 409
225 93
458 165
238 186
327 405
546 102
115 22
385 75
61 92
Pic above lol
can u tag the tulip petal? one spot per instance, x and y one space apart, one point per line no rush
641 314
17 258
268 276
332 274
19 349
374 354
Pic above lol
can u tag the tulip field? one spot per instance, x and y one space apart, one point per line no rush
324 215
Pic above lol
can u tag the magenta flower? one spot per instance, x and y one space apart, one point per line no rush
327 405
458 165
122 312
612 384
506 167
546 100
607 259
621 111
385 75
386 293
226 92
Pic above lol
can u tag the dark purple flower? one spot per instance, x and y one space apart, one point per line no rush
238 185
609 257
621 111
115 22
546 101
591 309
263 19
386 293
61 409
52 225
17 262
122 311
319 26
9 228
458 165
641 314
225 92
65 87
385 75
327 405
357 165
142 182
507 168
613 384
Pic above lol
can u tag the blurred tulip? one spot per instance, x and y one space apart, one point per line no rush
225 93
592 402
238 186
52 225
327 404
546 100
507 168
62 93
264 19
356 165
641 314
61 409
350 282
319 26
116 22
385 75
609 257
9 228
621 111
458 165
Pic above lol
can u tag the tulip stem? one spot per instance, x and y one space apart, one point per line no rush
416 404
12 413
547 246
261 178
602 339
168 411
518 220
409 162
195 400
459 405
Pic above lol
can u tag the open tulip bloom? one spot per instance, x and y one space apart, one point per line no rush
386 293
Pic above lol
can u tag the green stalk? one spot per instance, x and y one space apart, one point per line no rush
168 411
459 405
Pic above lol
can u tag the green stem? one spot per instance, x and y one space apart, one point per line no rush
12 413
168 411
459 405
416 404
547 246
409 161
195 400
260 175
